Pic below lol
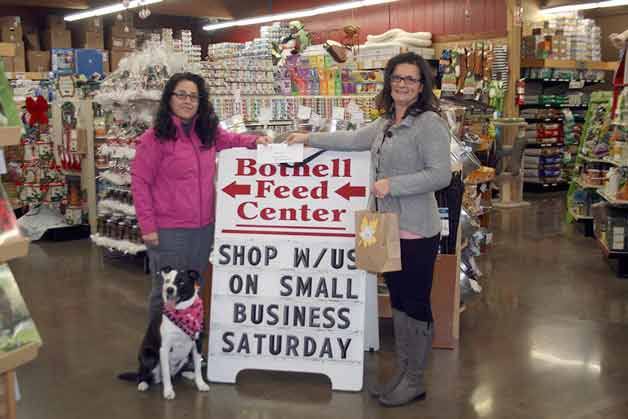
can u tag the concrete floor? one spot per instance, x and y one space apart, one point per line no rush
546 339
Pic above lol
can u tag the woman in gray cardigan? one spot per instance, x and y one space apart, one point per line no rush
410 157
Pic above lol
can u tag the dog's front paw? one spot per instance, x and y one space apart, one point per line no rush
202 385
169 394
143 386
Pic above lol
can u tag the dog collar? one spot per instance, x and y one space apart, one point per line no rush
190 319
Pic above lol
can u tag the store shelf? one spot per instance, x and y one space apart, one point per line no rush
607 161
570 64
579 217
544 145
611 200
27 76
607 251
13 248
123 246
552 106
276 123
16 358
566 81
587 185
554 120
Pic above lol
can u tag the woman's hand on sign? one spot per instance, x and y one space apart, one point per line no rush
297 138
381 188
151 239
263 140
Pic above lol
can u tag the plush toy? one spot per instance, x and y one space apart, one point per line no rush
296 42
38 111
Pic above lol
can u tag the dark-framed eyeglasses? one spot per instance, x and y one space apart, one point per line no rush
409 80
182 96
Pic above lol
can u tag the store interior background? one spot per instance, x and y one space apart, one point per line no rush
516 310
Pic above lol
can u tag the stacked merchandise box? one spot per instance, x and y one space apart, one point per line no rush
62 61
120 42
563 37
11 31
89 34
56 34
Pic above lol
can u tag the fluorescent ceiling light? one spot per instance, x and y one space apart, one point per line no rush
296 14
107 10
584 6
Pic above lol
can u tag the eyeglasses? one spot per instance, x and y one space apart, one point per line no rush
409 80
182 96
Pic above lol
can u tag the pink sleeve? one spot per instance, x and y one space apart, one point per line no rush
226 139
143 173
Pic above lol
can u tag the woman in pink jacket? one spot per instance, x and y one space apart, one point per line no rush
173 179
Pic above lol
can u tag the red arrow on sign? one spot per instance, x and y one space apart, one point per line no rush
233 189
347 191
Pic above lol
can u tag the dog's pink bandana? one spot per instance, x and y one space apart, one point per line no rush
190 320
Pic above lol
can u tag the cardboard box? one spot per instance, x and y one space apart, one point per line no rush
7 62
93 24
19 61
55 22
11 29
7 49
10 136
119 32
116 56
88 62
89 39
31 39
116 43
105 61
38 61
57 38
130 43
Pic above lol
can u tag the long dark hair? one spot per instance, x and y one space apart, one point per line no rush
426 101
206 121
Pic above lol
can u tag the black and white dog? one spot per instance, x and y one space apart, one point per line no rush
171 337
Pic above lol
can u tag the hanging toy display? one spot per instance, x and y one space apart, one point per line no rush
38 180
70 160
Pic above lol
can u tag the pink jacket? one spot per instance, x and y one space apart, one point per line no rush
173 181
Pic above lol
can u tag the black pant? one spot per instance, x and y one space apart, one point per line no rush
411 287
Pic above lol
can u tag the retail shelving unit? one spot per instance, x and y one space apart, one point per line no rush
10 360
570 64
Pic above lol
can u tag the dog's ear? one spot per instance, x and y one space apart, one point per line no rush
194 275
166 269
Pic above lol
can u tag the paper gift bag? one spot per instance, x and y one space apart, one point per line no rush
377 247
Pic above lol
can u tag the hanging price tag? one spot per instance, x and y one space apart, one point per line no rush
338 113
353 107
357 117
265 115
576 84
304 112
315 119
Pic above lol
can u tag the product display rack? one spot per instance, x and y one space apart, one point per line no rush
15 246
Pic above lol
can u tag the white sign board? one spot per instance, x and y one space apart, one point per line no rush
286 295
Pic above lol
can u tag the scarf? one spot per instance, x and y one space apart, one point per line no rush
190 320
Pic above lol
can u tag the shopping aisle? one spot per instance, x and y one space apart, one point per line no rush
546 339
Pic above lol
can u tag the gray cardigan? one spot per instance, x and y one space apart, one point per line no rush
414 155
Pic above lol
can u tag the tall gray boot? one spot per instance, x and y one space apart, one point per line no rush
411 386
400 326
